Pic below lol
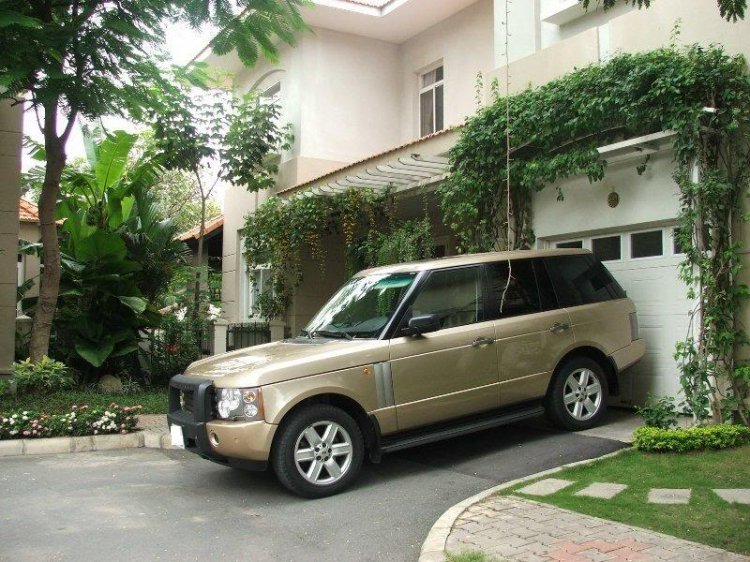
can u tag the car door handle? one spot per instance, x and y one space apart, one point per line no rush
557 327
482 341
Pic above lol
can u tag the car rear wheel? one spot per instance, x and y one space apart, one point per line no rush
577 398
319 451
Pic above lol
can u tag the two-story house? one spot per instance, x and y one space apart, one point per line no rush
378 90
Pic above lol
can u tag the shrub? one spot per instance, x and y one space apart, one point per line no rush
28 424
653 439
175 346
661 413
47 375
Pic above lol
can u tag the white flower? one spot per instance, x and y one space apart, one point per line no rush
213 312
180 314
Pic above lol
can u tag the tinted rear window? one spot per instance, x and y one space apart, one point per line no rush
582 279
514 290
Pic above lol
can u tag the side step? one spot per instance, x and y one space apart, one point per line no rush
461 427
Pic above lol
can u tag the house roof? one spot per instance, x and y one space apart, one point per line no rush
27 211
373 3
354 165
211 226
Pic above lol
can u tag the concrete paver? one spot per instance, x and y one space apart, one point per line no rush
603 540
736 495
546 487
669 496
602 490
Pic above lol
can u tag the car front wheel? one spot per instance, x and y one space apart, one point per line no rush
577 399
319 451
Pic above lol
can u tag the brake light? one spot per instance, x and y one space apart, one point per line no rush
635 329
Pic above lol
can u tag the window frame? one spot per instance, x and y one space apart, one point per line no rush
431 88
603 236
393 330
664 246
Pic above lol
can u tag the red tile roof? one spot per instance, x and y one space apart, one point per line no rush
211 226
27 211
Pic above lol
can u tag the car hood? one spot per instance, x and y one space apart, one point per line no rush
286 360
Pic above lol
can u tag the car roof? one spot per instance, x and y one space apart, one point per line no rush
468 259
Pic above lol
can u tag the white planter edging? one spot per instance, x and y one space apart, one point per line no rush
433 547
84 444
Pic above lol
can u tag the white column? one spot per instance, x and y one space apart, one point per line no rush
220 336
277 329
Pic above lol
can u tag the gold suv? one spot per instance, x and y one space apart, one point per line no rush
410 354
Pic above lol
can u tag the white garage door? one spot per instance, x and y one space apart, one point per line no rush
645 263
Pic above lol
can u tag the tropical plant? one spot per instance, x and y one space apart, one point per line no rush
71 58
731 10
45 376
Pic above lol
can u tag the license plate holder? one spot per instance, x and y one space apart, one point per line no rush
178 439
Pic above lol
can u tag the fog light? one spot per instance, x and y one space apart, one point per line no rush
214 438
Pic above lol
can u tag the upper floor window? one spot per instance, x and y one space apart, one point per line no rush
272 94
431 101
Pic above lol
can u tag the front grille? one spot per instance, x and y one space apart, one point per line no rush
186 400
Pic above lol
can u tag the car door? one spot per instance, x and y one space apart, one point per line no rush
451 372
532 333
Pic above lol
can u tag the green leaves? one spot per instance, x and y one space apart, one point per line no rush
17 19
112 159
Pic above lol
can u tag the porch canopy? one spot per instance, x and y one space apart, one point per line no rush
419 164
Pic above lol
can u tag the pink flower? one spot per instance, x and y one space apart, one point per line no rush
27 433
74 407
123 432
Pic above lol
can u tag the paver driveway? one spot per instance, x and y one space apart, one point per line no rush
169 505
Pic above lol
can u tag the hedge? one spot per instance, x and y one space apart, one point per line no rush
653 439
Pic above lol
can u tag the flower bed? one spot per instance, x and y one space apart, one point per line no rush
29 424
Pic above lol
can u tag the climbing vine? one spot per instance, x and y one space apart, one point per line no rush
703 95
281 232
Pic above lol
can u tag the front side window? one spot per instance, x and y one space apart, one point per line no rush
514 289
431 101
362 307
453 295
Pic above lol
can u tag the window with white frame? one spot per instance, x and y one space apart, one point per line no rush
258 282
271 94
431 101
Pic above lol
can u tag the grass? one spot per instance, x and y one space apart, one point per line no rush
153 401
706 519
469 556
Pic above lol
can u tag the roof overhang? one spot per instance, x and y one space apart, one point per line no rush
419 164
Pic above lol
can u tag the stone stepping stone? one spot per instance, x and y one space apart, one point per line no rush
546 487
736 495
601 490
669 495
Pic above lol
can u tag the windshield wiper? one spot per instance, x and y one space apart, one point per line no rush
329 334
306 334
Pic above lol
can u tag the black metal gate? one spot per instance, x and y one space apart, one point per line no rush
240 336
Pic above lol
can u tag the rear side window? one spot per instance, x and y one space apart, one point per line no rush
582 279
513 288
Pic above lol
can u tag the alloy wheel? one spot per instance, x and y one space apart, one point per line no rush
582 394
323 453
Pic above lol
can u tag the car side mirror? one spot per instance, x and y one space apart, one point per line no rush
423 325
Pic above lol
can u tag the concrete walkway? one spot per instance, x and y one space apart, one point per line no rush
512 528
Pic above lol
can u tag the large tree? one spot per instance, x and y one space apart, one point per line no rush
89 58
731 10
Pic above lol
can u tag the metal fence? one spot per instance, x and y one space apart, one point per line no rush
206 339
240 336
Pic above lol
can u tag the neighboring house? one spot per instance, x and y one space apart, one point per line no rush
213 247
377 86
28 266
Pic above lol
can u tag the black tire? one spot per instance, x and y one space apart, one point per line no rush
283 452
556 409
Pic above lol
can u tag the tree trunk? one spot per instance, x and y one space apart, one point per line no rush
50 282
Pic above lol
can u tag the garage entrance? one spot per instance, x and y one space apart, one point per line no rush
645 262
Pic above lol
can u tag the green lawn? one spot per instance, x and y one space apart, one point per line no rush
707 519
153 401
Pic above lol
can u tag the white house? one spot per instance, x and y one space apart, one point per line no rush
378 85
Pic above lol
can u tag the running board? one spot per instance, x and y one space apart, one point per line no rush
399 442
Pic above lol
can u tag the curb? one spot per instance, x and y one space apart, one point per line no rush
433 547
85 444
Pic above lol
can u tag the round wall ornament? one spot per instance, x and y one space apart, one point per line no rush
613 199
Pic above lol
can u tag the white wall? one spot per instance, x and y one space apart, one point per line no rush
650 198
465 45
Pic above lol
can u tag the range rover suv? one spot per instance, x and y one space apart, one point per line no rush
410 354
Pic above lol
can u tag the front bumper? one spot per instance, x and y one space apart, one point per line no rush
244 445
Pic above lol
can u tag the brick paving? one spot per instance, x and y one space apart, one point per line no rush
512 528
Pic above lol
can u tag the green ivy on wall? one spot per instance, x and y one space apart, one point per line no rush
703 95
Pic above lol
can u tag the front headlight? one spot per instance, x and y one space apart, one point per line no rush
239 403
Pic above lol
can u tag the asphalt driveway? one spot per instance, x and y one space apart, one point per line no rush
169 505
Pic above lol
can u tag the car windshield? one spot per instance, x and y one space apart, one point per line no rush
362 307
